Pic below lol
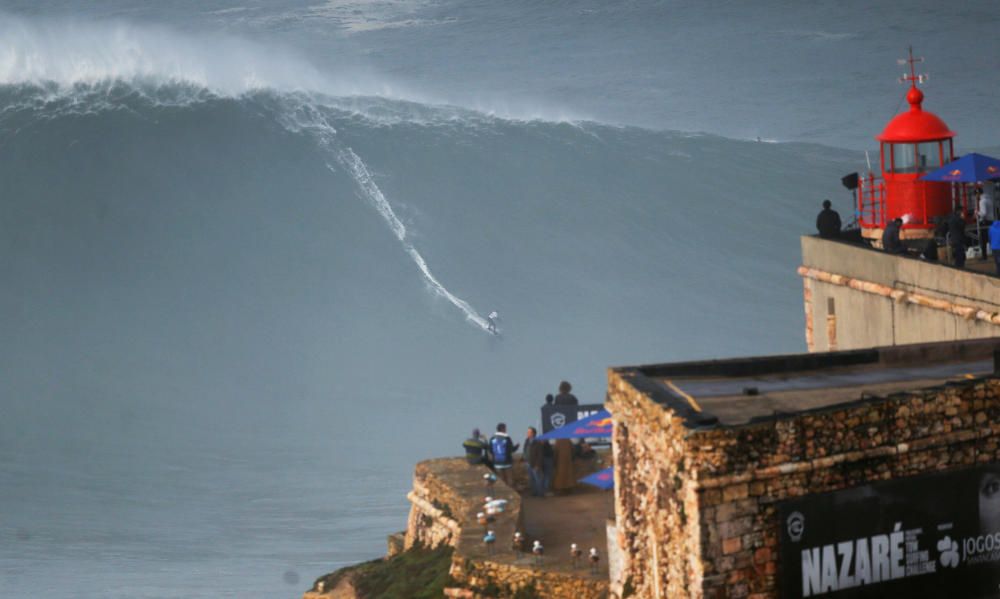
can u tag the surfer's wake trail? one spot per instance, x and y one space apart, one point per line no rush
325 135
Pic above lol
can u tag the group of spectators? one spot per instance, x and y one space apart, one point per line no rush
549 466
951 228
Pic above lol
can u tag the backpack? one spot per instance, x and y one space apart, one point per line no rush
498 445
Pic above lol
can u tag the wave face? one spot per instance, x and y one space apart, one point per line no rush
236 313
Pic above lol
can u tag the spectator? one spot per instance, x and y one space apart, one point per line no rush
475 449
828 222
956 236
503 450
930 252
549 399
890 238
548 465
985 215
532 455
583 450
565 398
995 243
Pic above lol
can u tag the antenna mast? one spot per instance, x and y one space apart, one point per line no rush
912 77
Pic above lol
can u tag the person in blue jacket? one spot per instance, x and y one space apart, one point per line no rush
502 449
995 243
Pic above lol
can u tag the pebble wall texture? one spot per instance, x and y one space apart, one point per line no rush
697 504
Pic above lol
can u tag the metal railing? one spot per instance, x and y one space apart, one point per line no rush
871 201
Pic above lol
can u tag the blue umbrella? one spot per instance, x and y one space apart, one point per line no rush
595 425
602 479
967 169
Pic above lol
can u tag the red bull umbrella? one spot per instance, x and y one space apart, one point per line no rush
602 479
968 169
595 425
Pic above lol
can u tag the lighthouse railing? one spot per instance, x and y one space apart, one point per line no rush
871 201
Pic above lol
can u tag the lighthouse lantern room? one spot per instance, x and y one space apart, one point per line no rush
913 143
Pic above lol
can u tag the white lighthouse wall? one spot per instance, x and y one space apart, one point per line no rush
862 317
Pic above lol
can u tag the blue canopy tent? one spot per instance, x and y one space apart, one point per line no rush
595 425
967 169
602 479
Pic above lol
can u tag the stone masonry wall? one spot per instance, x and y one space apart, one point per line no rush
437 509
697 508
506 580
655 498
755 467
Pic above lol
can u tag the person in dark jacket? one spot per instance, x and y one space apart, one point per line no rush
994 235
930 252
828 222
548 465
533 455
890 238
565 398
502 449
475 448
956 236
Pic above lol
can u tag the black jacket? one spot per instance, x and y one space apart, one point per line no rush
828 223
566 399
890 239
956 230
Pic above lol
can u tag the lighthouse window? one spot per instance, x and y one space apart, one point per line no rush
929 156
904 158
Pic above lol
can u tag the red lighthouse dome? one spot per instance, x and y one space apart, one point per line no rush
916 124
913 143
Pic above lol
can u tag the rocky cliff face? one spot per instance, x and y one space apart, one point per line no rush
443 535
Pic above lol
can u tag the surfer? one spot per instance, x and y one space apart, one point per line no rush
491 322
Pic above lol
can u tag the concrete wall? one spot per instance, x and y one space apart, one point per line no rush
858 319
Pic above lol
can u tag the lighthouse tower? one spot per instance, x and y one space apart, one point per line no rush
912 143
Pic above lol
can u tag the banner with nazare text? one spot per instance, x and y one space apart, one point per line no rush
934 535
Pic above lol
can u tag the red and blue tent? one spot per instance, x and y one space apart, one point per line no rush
593 426
602 479
968 169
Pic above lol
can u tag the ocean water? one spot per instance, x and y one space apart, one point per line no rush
246 248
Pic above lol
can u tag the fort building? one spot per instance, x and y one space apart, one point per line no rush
866 473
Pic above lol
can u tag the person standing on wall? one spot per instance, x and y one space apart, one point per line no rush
956 236
890 238
828 222
995 243
503 450
985 214
548 466
532 457
475 449
565 398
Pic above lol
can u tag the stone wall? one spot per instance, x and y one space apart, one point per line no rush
447 494
493 578
754 467
655 495
856 297
697 505
436 508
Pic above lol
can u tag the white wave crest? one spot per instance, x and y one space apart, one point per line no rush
73 60
68 53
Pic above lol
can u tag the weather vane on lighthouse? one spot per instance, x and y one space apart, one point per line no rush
912 78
